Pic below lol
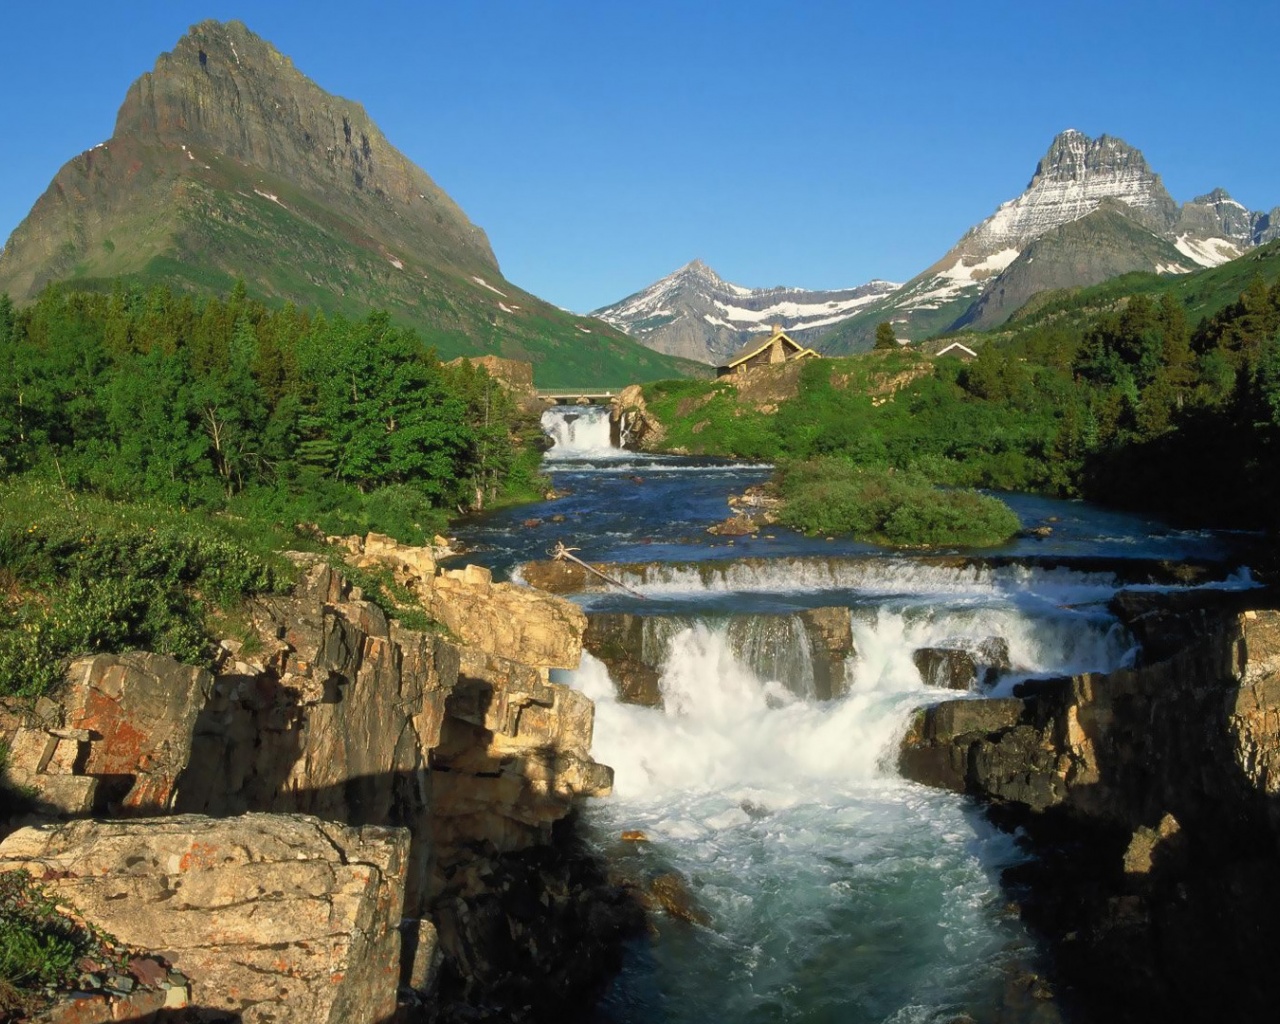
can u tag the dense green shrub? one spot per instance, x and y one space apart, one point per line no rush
87 575
224 404
901 509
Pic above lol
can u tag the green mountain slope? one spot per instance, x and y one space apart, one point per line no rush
1093 249
1202 293
227 163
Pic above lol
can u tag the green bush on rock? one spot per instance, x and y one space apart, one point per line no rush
40 946
901 509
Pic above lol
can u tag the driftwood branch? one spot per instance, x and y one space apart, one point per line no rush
561 553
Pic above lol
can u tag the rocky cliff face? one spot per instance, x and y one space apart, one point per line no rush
1152 799
988 273
278 917
224 90
695 314
463 755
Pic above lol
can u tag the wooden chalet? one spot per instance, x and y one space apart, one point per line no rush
963 352
777 348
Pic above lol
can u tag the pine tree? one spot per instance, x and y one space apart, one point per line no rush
885 338
8 320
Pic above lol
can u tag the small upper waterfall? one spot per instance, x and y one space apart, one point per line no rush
579 431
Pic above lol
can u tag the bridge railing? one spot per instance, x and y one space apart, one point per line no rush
568 396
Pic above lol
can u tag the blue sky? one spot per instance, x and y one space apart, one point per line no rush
603 144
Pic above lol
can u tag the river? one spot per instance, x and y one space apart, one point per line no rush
835 891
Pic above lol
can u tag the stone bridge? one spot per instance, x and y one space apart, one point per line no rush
562 396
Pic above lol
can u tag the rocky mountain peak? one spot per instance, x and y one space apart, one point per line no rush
225 90
1073 156
1217 197
1070 181
1128 221
695 313
697 268
1213 228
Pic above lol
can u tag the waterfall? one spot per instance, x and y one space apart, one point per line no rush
955 579
772 684
828 881
579 431
726 730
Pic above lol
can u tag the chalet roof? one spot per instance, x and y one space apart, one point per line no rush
757 345
965 349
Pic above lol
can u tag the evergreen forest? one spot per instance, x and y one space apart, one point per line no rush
223 404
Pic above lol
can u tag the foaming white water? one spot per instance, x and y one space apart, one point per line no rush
579 431
871 576
726 731
740 650
1046 641
834 889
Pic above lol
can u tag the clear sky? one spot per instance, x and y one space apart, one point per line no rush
603 144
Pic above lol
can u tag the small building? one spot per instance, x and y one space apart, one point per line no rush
777 348
960 351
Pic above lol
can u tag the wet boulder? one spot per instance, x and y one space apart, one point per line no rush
737 525
963 663
670 891
936 749
618 641
946 668
830 632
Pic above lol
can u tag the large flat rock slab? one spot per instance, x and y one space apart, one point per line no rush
274 918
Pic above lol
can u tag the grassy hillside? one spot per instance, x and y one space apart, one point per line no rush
1202 293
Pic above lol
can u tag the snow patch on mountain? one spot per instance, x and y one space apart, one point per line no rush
965 274
796 312
1208 252
695 313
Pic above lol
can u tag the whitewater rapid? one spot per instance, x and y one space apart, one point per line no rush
835 890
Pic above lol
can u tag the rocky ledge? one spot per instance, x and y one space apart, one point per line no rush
298 826
1151 800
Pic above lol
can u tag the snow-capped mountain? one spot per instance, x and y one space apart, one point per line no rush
696 314
1093 209
1132 224
1214 228
1075 176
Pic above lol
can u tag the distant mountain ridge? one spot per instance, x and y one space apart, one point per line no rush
998 264
227 162
1092 210
696 314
